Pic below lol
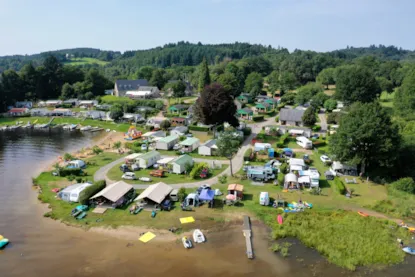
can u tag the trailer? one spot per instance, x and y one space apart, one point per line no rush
260 173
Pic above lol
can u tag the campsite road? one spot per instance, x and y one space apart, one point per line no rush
237 162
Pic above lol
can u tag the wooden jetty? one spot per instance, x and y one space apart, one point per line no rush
247 234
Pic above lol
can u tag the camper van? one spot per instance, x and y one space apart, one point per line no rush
259 173
264 198
304 142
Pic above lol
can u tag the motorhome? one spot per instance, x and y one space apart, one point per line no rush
304 142
260 173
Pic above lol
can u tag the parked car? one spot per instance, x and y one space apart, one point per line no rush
124 168
177 147
143 147
129 176
135 167
189 135
314 170
325 159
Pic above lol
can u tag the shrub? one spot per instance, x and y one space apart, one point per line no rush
280 106
284 168
247 131
339 186
257 118
90 191
63 172
319 143
261 135
198 128
405 184
223 179
78 180
316 128
197 169
281 142
96 150
247 154
181 194
277 119
67 157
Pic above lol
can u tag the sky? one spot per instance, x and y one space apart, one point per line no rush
33 26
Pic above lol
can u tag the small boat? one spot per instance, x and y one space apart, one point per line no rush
70 127
308 205
138 209
145 179
279 219
153 214
409 250
198 236
86 128
3 242
363 214
187 243
80 216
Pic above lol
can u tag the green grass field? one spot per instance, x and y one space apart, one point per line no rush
170 178
84 61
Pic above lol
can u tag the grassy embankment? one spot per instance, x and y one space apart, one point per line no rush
122 127
85 61
115 174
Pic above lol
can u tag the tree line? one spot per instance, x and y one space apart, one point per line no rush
51 80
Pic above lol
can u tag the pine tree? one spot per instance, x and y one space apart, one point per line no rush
204 77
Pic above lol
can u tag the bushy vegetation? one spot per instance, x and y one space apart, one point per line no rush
91 191
63 172
339 186
198 128
282 140
247 154
405 185
197 169
369 241
257 118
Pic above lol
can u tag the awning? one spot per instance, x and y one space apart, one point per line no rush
304 179
296 167
207 195
156 193
165 160
296 132
114 191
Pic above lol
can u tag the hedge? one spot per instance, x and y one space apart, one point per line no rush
247 131
63 172
282 140
258 118
247 154
319 143
198 128
339 186
90 191
316 128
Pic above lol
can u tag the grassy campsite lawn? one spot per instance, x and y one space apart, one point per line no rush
115 174
194 154
123 127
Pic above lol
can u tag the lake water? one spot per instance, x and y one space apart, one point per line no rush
43 247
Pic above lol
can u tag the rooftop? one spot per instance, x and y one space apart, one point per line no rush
148 155
210 143
183 159
168 139
130 84
189 141
291 115
114 191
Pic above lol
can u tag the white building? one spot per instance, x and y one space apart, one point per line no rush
179 164
208 148
167 143
296 164
179 131
148 159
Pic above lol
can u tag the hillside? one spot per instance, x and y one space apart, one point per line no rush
190 54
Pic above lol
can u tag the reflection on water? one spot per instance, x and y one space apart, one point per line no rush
43 247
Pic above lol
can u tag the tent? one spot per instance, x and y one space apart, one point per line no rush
155 193
291 181
192 199
207 195
76 164
72 192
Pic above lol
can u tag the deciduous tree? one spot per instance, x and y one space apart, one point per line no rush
215 106
309 117
326 77
67 91
165 124
158 79
366 136
254 83
179 88
229 83
330 104
228 145
404 101
116 111
356 83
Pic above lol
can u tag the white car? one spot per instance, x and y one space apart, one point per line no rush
325 159
177 147
129 176
143 147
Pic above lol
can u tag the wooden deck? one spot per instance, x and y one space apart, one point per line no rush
247 234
